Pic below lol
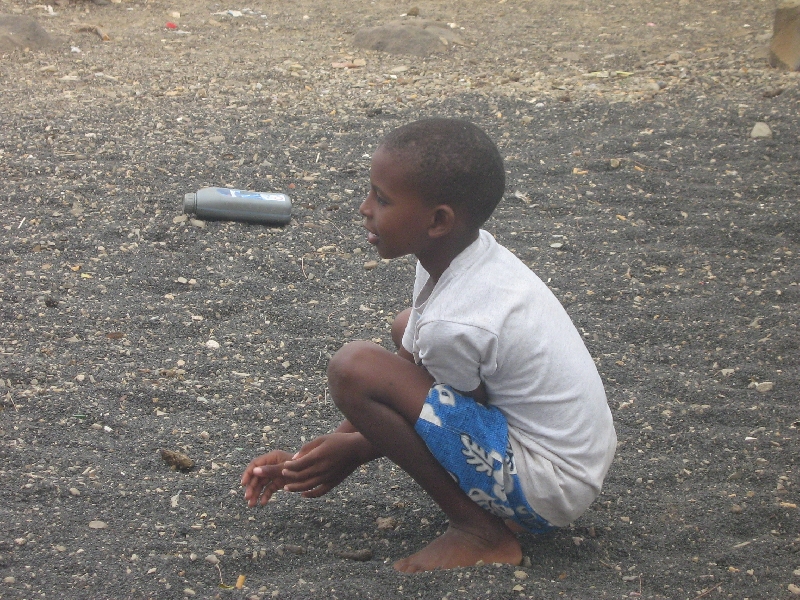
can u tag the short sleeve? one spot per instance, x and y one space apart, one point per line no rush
456 354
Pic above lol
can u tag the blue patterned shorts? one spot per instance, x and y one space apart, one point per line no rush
471 441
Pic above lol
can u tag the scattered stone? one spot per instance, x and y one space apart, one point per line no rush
760 130
370 264
362 555
784 50
736 509
418 37
177 460
385 523
212 558
98 525
9 579
18 32
74 491
290 548
763 386
520 574
794 589
212 344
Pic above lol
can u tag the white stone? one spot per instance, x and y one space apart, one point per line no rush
761 130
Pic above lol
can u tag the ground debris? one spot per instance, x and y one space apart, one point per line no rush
177 460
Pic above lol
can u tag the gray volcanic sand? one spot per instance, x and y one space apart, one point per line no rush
634 190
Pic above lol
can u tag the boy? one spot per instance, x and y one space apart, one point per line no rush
492 402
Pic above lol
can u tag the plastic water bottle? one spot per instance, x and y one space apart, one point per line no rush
224 204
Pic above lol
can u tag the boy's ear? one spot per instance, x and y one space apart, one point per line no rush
444 219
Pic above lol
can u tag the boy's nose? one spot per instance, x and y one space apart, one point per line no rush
364 208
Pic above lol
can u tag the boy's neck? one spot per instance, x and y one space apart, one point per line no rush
438 259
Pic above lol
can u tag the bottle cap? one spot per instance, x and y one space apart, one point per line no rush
190 203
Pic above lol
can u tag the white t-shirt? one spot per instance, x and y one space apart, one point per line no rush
490 319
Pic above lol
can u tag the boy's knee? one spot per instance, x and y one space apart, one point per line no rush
399 327
349 367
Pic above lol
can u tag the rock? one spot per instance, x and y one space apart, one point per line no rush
18 32
418 37
760 130
212 559
97 525
794 589
370 264
177 460
784 50
360 555
765 386
386 522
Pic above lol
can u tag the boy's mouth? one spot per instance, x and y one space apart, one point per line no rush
372 238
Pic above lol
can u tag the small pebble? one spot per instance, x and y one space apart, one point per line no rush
761 130
370 264
362 555
212 558
386 522
97 525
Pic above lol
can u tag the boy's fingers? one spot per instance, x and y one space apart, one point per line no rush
268 471
304 486
318 491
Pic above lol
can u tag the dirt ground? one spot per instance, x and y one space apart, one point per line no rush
634 189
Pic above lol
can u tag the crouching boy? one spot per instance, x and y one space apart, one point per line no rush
492 402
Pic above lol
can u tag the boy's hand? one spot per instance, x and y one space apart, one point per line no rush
324 463
263 477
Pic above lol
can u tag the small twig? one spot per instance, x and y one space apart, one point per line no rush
11 399
302 268
21 222
94 29
221 582
708 591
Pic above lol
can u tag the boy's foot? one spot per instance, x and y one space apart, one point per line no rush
459 548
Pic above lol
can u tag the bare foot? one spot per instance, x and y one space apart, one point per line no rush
459 548
514 526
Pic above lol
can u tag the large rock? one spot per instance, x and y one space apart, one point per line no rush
418 37
18 32
784 51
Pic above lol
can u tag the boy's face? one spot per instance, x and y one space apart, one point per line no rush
395 215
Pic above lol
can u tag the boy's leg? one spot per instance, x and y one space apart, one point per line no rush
382 395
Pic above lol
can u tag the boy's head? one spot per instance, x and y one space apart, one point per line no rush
453 162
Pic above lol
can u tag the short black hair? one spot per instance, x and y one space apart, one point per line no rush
452 162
